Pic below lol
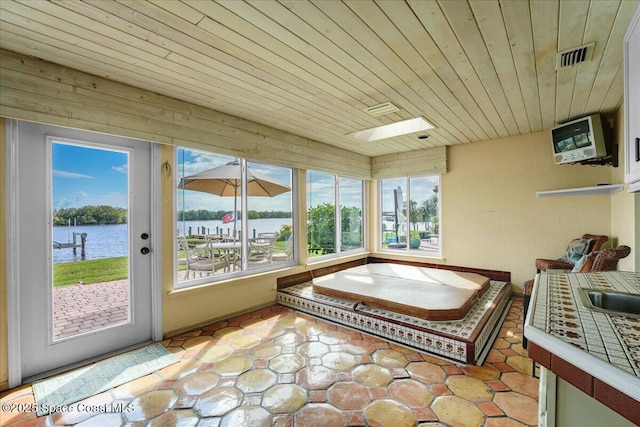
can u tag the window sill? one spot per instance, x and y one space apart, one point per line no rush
232 280
436 258
336 256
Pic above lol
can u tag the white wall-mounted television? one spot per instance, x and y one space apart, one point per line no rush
580 139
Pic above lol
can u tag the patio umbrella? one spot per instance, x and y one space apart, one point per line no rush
226 180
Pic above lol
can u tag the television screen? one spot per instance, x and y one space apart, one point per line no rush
577 135
579 140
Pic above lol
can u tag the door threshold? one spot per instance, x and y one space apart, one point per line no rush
82 363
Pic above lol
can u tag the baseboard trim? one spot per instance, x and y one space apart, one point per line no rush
176 332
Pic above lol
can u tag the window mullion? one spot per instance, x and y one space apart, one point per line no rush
407 237
338 216
245 215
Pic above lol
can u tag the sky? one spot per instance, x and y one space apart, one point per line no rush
88 176
421 189
94 176
189 162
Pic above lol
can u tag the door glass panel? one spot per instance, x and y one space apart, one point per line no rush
90 238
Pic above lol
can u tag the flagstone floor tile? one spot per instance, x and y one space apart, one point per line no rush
410 392
490 409
389 413
318 414
372 375
254 416
426 372
469 388
196 383
152 404
517 406
316 377
218 401
457 411
276 367
284 398
339 361
256 380
440 389
522 383
390 358
349 396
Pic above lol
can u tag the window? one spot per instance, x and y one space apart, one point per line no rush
410 215
351 208
232 217
327 232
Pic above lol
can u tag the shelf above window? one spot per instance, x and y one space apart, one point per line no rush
583 191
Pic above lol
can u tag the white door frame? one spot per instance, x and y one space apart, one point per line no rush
13 291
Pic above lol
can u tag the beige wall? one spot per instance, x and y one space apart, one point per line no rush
491 217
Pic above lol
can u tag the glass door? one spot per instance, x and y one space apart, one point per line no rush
84 256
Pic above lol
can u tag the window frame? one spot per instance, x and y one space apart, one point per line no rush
338 220
244 271
407 250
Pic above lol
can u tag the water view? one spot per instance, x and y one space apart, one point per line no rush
103 241
106 241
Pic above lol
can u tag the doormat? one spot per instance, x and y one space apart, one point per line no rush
73 386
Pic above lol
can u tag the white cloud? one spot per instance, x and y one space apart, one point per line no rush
74 175
120 169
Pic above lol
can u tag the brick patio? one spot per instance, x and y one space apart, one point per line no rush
84 308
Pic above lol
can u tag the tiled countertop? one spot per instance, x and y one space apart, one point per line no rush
605 346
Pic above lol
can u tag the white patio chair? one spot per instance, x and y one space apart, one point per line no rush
205 263
286 254
261 250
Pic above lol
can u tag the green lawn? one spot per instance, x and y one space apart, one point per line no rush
90 271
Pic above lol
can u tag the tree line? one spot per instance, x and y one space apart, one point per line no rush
90 215
103 214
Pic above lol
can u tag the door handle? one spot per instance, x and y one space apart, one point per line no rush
144 250
637 149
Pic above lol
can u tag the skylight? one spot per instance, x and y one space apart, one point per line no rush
394 129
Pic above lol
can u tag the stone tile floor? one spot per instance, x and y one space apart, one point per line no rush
282 368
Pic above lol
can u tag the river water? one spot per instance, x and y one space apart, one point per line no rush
106 241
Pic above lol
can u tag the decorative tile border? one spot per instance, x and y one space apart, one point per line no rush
462 340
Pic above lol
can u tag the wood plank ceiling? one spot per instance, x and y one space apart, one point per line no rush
477 69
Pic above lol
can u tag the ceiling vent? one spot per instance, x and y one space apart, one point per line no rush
574 56
381 110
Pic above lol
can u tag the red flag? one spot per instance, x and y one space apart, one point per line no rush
228 218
